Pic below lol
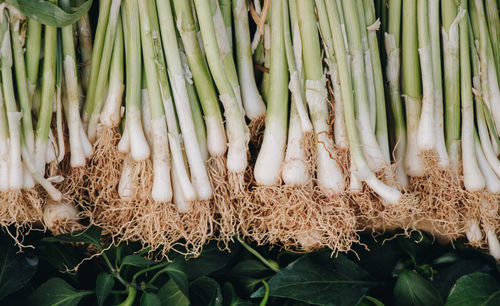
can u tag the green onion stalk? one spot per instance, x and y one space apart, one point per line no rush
491 7
393 74
237 130
95 63
481 111
32 56
42 150
133 141
373 153
296 168
489 79
339 130
489 163
16 20
225 50
4 145
85 46
226 13
156 125
435 37
199 174
14 116
96 96
328 173
370 82
80 147
252 101
450 19
111 112
412 87
426 142
184 191
269 162
362 172
381 132
216 140
476 171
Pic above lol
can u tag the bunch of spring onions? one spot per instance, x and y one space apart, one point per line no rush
40 91
298 123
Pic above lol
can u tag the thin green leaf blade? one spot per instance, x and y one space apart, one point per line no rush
413 289
170 294
475 289
48 13
319 279
56 291
104 284
150 299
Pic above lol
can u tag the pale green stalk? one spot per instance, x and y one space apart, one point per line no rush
199 123
373 154
47 97
393 73
199 174
270 158
370 86
237 130
96 97
139 148
252 101
412 88
449 11
493 19
426 141
330 177
32 56
435 36
362 171
4 145
216 134
296 81
378 80
225 50
71 101
16 21
225 8
111 112
13 114
339 130
102 24
473 178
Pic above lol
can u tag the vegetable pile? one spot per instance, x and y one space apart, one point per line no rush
298 123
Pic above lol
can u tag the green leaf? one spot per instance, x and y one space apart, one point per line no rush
318 279
231 298
210 261
136 261
60 256
104 284
49 13
16 270
205 291
446 277
92 235
179 277
475 289
56 291
370 301
150 299
413 289
170 294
